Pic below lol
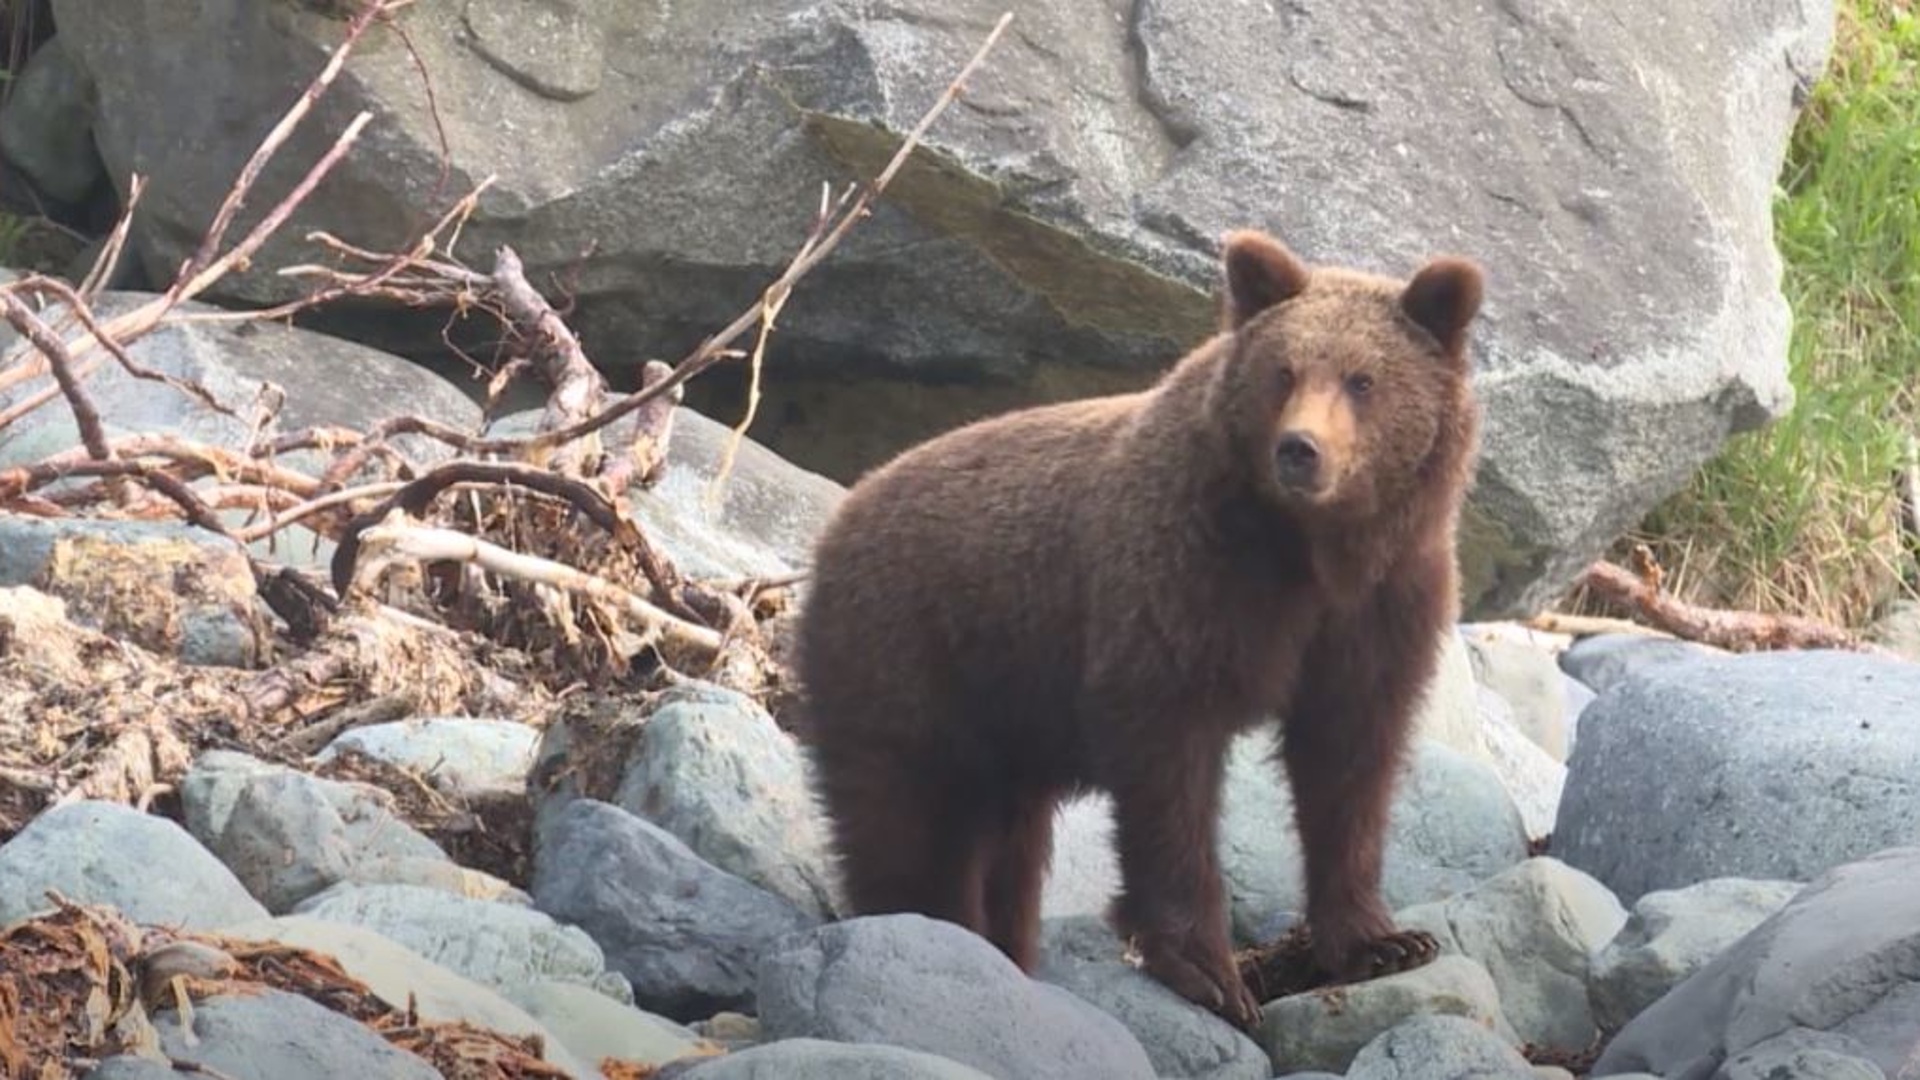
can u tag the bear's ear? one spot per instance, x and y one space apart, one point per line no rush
1261 272
1443 298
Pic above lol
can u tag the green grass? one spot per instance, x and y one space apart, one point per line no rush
1803 515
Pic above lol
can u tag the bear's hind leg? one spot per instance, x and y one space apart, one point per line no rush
1017 863
904 843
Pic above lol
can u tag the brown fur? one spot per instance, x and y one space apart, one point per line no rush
1101 594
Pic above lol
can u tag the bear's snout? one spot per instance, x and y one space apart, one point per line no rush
1297 460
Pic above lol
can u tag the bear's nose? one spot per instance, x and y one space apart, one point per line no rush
1297 454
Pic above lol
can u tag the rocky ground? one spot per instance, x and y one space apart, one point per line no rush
1638 854
478 826
1641 857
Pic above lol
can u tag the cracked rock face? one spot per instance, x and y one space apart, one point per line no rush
1611 166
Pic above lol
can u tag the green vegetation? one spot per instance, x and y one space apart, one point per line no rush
1804 516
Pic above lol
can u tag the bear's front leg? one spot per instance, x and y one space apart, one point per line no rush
1166 793
1346 737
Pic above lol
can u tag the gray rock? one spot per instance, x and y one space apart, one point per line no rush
211 788
1325 1029
288 1037
127 1067
1181 1039
46 128
1843 956
327 382
1620 350
404 979
433 873
594 1027
1768 765
687 935
1578 696
1453 825
287 835
461 756
947 992
1084 876
555 50
497 945
105 853
818 1059
170 589
1439 1048
1528 679
1802 1054
714 770
1449 711
1534 928
1604 660
1531 775
1673 933
732 1030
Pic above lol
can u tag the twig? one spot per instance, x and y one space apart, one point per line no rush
381 710
1553 622
293 515
80 311
277 217
85 416
194 459
414 498
376 282
109 260
647 447
394 539
204 259
576 387
1737 631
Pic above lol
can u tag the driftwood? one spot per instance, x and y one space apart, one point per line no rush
1735 631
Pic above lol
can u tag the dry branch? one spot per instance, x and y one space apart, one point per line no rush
1737 631
85 415
395 539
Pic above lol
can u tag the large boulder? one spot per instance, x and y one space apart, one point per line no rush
1839 966
929 985
1060 235
1771 765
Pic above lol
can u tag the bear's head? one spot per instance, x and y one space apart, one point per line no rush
1342 387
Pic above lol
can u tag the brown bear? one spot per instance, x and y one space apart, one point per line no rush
1099 595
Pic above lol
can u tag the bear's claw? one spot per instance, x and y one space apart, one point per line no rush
1402 950
1206 977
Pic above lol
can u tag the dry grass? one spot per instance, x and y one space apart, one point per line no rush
1803 517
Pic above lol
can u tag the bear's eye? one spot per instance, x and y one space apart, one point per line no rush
1283 380
1359 384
